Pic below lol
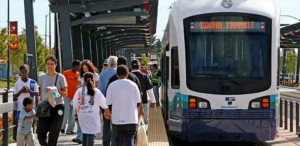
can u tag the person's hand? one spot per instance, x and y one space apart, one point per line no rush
153 106
24 90
107 114
142 113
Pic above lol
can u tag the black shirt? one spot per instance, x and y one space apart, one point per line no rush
145 84
131 77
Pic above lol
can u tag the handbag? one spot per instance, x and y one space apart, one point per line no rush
43 109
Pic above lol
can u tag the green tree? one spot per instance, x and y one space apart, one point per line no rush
291 61
3 44
17 56
144 60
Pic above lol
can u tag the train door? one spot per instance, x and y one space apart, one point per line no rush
165 80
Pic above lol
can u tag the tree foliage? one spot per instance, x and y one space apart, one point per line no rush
291 61
144 60
17 56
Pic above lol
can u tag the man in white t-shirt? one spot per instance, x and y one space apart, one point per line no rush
124 97
24 87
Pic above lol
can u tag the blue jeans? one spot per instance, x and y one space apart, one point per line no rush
156 94
68 117
79 132
125 137
146 115
88 139
109 136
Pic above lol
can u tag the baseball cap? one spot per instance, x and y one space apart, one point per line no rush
105 61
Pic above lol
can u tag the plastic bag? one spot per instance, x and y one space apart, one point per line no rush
52 94
142 138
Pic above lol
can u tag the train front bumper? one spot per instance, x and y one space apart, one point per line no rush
220 125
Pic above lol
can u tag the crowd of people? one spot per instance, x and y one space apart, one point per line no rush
110 102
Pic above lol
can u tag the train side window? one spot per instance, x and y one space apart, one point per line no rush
175 81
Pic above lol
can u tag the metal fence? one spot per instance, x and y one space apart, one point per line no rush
289 80
5 108
289 113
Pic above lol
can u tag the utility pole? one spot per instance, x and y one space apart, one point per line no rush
49 29
46 31
8 47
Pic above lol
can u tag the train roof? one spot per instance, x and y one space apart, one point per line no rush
187 8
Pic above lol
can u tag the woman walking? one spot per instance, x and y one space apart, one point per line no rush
49 127
86 104
88 66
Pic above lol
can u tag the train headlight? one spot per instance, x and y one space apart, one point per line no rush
203 104
255 105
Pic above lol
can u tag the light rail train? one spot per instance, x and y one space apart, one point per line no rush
219 68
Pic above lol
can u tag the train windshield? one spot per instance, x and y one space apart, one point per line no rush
228 54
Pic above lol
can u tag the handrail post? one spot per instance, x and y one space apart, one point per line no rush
280 116
285 115
291 116
5 121
15 122
297 117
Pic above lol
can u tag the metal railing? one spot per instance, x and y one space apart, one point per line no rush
289 80
5 108
289 112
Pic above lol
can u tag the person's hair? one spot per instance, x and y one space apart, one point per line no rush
27 101
90 66
122 70
155 66
89 80
24 66
112 61
52 58
135 64
122 60
76 63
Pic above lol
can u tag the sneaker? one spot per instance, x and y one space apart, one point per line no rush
70 133
62 130
77 140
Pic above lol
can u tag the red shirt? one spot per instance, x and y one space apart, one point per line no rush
72 80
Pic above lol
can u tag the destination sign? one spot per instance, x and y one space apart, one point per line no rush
227 26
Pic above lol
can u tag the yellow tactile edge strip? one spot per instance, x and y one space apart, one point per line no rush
157 130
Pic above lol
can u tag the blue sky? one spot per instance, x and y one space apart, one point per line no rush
287 7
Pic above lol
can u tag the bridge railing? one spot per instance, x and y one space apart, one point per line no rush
5 109
289 112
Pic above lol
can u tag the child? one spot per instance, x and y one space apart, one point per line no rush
27 114
24 87
86 104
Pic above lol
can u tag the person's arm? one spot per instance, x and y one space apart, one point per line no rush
79 82
63 84
35 92
40 84
139 101
18 92
96 76
75 102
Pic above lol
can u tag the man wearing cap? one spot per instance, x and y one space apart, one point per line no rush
146 88
105 64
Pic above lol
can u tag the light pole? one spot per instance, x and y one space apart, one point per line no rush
46 31
8 48
49 29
